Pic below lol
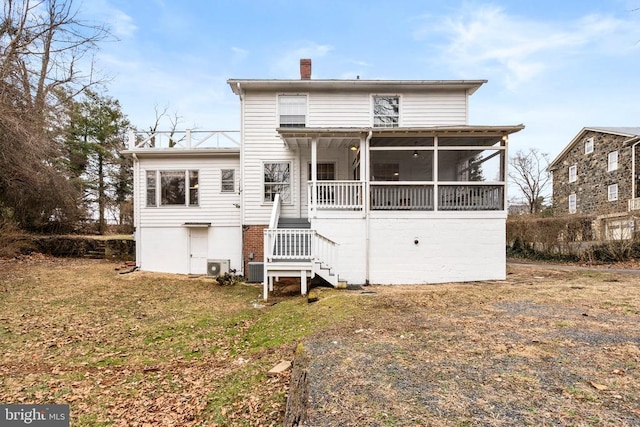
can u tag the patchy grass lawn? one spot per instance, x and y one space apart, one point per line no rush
544 347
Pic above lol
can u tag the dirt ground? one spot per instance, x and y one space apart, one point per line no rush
549 346
546 347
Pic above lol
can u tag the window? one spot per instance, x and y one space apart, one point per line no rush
173 187
612 192
151 189
386 111
324 171
228 181
193 188
588 146
292 110
277 180
613 161
572 203
573 173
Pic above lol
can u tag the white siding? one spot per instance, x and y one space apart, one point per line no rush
433 109
214 206
262 144
339 110
465 248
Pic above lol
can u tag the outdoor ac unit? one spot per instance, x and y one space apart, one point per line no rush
216 267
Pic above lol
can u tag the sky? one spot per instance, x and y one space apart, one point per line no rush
554 66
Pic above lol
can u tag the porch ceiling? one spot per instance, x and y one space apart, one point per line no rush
295 138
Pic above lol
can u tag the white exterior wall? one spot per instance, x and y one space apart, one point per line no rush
437 108
162 239
448 248
261 142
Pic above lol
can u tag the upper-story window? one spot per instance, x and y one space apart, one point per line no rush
573 173
588 146
386 111
612 161
292 110
177 188
572 203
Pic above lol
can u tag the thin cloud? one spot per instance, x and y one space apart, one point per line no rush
122 25
487 40
239 54
287 64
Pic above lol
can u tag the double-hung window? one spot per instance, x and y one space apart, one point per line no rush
386 111
292 110
588 146
172 188
572 203
277 180
228 181
612 192
573 173
612 163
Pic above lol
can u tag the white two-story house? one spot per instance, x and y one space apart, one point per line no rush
361 181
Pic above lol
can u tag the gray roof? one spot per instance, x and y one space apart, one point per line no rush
626 131
631 132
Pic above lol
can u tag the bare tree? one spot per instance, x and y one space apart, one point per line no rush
45 60
529 171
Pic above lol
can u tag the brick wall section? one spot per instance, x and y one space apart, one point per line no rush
252 241
593 178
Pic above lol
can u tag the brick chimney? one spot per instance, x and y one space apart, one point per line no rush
305 69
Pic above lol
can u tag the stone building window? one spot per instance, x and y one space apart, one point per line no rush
573 173
572 203
612 192
588 146
612 161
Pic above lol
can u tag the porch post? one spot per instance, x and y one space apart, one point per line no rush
503 171
436 196
364 171
314 175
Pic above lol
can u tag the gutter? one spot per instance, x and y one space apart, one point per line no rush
136 210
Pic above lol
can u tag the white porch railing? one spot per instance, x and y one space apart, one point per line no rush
634 204
337 195
470 197
401 197
289 243
186 139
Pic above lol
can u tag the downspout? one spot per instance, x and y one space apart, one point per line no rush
365 171
136 210
633 169
240 181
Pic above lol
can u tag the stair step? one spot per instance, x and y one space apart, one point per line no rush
294 223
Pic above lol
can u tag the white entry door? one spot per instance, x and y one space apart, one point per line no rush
198 248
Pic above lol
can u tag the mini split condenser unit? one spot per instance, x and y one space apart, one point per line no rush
216 267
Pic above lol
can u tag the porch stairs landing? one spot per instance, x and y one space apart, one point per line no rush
296 251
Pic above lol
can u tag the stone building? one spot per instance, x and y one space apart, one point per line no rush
597 174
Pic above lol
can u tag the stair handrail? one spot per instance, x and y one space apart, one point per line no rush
275 212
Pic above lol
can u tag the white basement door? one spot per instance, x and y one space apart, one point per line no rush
198 248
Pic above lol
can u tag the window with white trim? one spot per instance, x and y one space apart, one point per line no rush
176 188
612 163
292 110
573 173
612 192
386 111
277 180
572 203
228 180
151 189
588 146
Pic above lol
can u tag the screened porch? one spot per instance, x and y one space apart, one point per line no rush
443 169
